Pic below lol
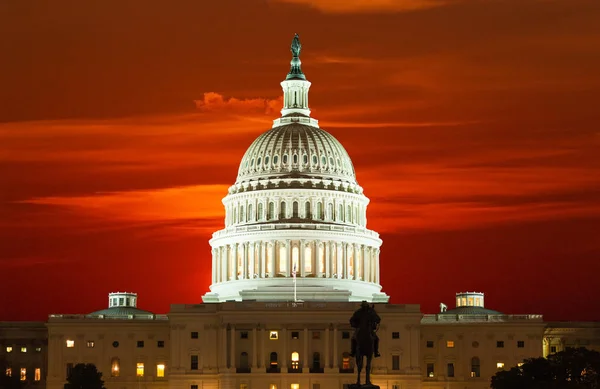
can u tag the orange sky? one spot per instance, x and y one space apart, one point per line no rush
472 125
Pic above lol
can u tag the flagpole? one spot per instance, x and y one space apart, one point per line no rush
294 275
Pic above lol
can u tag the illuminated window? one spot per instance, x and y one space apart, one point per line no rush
139 369
9 349
345 361
295 360
70 343
243 386
272 386
273 335
160 370
37 374
430 372
520 364
450 344
38 349
90 344
500 365
295 386
115 367
23 374
9 372
295 335
23 349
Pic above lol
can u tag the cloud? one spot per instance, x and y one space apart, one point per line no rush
361 6
215 102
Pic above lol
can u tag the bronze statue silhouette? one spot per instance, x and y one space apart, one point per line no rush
365 342
296 46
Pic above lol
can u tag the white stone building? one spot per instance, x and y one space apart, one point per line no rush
291 265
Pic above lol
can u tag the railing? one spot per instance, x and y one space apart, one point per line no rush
478 318
294 370
317 370
243 370
294 226
347 371
273 370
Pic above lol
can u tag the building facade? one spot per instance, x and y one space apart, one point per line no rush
293 261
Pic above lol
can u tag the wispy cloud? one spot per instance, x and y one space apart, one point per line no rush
361 6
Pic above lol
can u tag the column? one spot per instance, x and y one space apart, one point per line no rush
232 356
305 358
355 266
288 259
213 266
222 351
236 270
244 261
327 363
346 260
252 247
377 265
326 254
261 360
317 270
284 356
335 348
225 261
263 258
301 264
254 350
273 261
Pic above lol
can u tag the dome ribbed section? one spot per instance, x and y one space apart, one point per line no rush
294 151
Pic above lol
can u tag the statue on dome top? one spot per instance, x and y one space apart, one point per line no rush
296 46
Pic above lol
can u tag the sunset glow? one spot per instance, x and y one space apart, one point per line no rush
472 126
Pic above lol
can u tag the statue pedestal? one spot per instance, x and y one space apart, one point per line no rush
363 386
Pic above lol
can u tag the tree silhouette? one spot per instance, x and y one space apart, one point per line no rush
574 368
84 376
9 382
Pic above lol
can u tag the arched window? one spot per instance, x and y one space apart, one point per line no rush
285 159
273 360
349 214
282 214
260 212
345 361
115 367
330 211
244 360
295 159
250 213
319 211
475 367
295 360
307 210
271 211
340 213
295 209
305 159
316 362
242 216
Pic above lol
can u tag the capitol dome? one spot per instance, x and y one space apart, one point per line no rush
295 218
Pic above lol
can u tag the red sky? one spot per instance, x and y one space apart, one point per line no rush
473 127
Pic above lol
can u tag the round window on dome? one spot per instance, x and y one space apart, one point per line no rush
285 158
267 160
258 161
314 159
331 161
323 160
295 158
275 159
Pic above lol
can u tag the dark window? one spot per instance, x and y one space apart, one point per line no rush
316 386
193 386
69 369
395 362
160 343
475 367
244 360
345 335
115 344
316 361
450 370
244 335
430 344
520 343
194 334
295 335
140 343
395 335
500 344
273 359
553 349
194 362
430 370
